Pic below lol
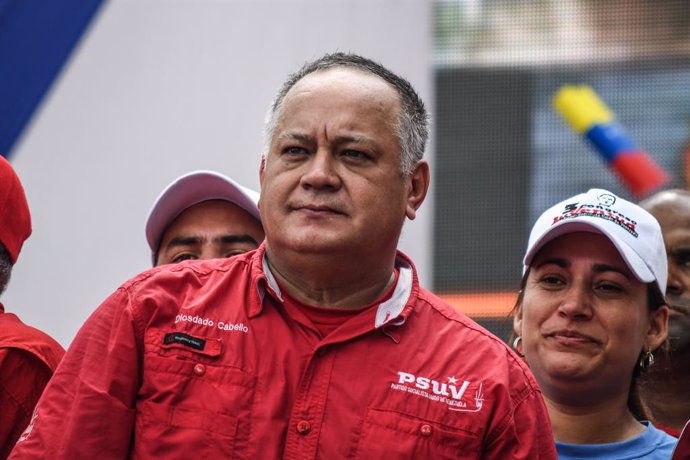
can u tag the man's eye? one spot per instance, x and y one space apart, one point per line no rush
356 154
294 150
236 252
683 262
680 257
181 257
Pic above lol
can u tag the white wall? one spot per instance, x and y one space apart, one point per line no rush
158 88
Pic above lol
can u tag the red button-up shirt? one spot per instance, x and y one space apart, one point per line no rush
201 359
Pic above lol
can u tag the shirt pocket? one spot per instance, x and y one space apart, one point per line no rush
178 432
394 435
190 402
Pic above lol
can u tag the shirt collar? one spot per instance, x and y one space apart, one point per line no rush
390 312
270 279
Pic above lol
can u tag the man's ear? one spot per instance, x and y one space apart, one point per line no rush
417 187
262 168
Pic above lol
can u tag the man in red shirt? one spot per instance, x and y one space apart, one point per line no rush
28 357
321 343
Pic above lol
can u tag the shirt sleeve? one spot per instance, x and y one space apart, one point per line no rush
522 428
87 409
527 433
22 379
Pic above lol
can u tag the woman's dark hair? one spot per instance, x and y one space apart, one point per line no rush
655 300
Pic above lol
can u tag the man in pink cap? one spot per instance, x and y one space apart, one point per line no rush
203 215
28 357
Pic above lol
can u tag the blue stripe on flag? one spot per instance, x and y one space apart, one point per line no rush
36 39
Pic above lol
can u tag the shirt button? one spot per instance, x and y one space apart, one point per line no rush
303 427
199 369
425 430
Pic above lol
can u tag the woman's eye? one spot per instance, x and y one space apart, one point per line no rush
609 287
551 280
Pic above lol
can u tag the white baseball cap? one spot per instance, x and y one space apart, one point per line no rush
632 230
190 189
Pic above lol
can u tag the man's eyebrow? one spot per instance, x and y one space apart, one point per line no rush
679 251
354 139
296 137
231 239
342 139
184 241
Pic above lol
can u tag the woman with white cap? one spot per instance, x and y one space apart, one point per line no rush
589 319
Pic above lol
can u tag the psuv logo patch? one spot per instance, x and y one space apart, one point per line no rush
458 396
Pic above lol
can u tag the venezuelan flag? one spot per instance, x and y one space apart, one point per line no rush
588 116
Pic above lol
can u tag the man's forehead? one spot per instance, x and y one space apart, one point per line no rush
216 212
341 90
340 76
673 212
668 199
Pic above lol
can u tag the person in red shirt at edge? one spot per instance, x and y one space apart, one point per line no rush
319 344
28 357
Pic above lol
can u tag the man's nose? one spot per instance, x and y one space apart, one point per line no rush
322 171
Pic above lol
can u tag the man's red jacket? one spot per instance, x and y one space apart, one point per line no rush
200 360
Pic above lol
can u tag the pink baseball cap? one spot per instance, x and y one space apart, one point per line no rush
15 219
632 230
190 189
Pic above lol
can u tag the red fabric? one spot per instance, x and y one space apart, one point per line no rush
682 450
15 334
22 379
201 359
326 320
323 320
668 430
28 358
14 211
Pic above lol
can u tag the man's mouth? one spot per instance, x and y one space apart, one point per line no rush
318 209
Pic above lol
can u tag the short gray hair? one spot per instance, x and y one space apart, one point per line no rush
5 268
412 127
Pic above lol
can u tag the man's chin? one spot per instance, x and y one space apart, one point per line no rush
312 243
